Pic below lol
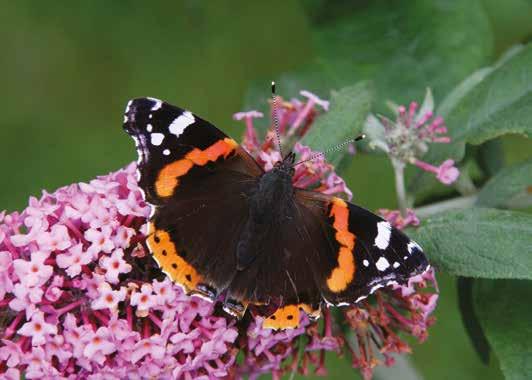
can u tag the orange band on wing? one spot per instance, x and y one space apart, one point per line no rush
167 180
169 260
287 317
342 275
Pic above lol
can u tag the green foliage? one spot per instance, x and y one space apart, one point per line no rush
469 317
510 188
394 46
345 119
479 242
490 157
504 310
501 103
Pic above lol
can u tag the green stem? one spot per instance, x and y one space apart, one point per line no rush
400 190
464 184
451 204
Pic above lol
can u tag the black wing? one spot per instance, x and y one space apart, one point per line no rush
195 178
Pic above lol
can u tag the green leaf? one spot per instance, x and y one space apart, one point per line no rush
479 242
345 119
505 312
510 188
470 319
501 103
401 52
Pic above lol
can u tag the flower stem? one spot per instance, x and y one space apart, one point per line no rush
451 204
399 170
464 184
12 328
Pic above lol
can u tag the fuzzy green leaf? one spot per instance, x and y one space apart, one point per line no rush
504 310
470 320
479 242
499 104
345 119
510 188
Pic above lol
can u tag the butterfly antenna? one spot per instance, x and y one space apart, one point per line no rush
275 102
332 149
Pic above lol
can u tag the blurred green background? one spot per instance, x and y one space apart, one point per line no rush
67 70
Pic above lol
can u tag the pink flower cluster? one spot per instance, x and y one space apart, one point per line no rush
406 138
80 296
76 302
397 220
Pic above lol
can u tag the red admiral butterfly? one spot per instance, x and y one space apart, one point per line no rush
220 223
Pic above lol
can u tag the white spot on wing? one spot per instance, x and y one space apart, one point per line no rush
128 105
149 127
343 304
140 151
384 231
365 262
396 265
125 119
158 104
411 245
382 264
166 152
180 123
157 138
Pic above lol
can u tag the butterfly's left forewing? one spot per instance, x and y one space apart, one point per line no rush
175 146
194 177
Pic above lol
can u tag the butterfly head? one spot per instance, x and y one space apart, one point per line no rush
286 166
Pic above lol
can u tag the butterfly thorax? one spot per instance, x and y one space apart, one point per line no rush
270 204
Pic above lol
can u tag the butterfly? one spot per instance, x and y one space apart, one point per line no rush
220 224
